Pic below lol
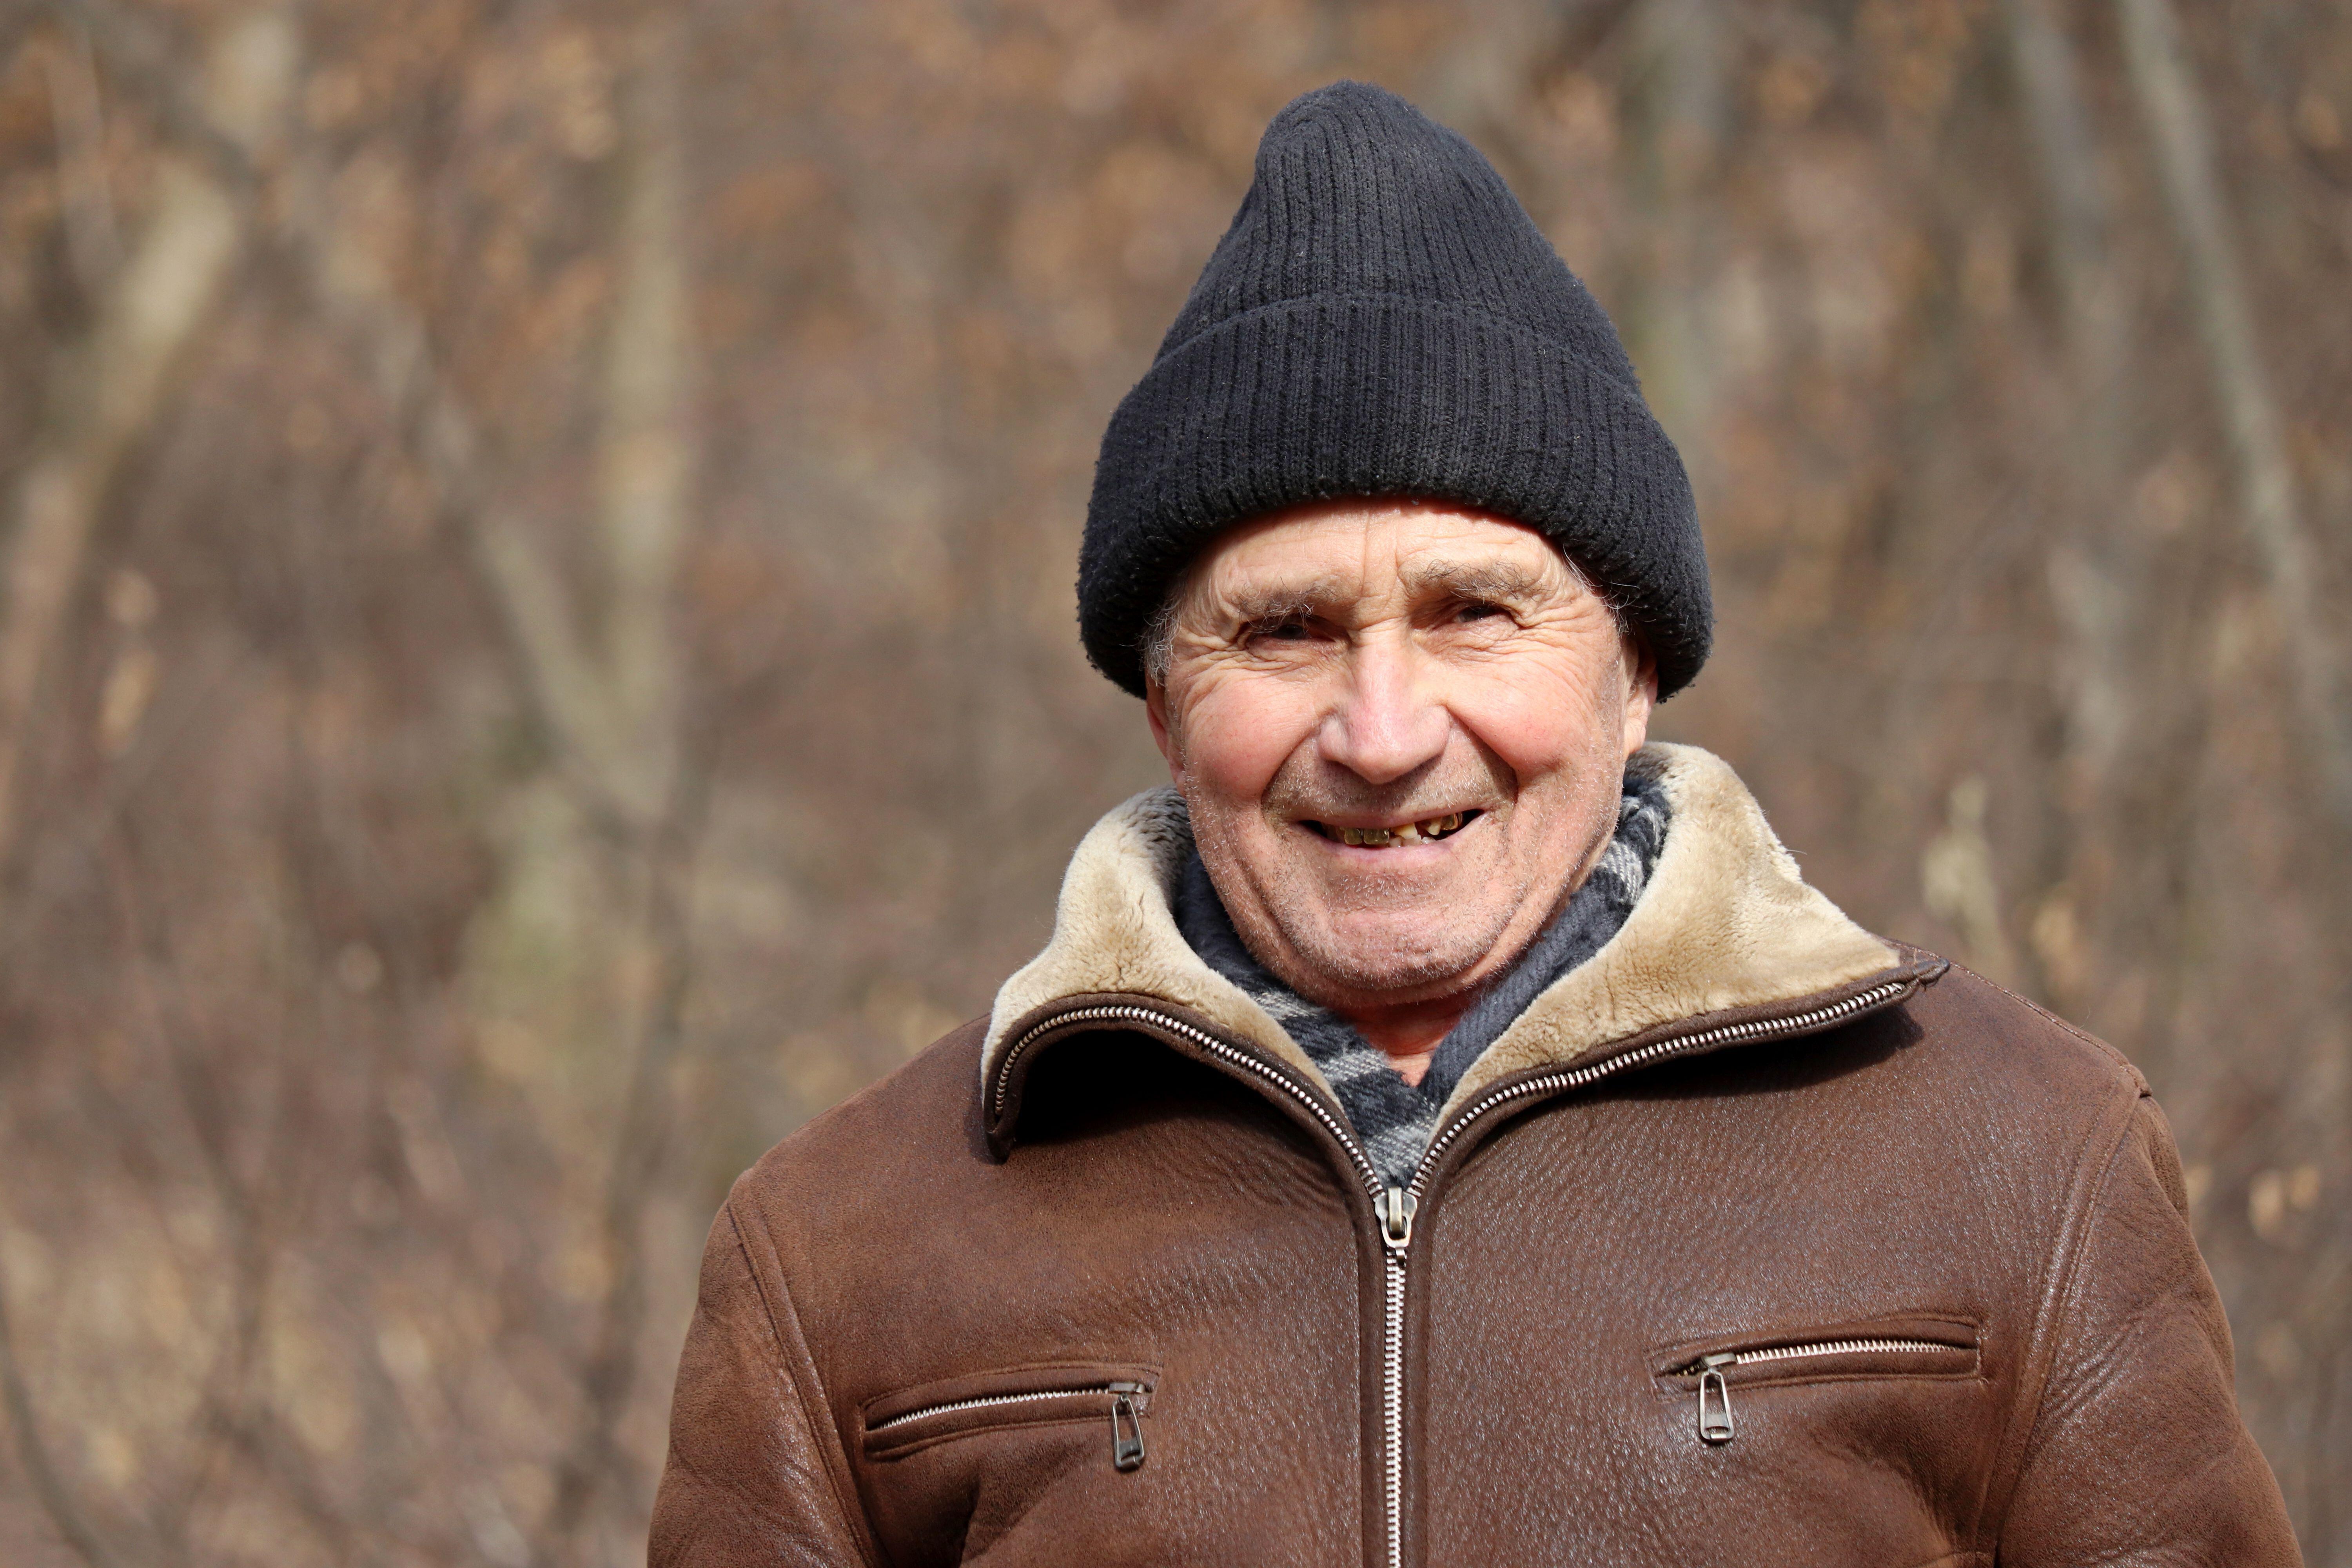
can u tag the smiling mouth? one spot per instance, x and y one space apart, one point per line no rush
1428 830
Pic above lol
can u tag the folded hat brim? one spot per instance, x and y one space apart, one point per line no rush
1372 394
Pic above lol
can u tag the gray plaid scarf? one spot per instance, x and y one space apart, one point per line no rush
1393 1117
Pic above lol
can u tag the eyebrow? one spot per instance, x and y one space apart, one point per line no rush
1276 601
1508 582
1505 581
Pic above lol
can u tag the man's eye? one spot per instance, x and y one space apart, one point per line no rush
1477 612
1291 628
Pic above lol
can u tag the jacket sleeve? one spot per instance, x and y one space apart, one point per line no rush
752 1477
2137 1455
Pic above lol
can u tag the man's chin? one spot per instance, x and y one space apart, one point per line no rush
1376 962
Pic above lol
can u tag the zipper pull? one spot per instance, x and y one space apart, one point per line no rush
1395 1208
1125 1428
1714 1416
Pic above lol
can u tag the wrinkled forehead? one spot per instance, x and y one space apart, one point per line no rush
1338 553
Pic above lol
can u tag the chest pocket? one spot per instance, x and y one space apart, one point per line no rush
1115 1397
1715 1375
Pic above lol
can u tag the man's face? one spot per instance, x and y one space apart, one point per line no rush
1401 728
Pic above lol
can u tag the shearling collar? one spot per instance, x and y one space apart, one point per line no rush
1725 923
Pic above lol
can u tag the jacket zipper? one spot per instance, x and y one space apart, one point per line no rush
1394 1208
1715 1393
1126 1424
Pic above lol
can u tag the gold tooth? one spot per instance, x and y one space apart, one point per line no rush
1426 830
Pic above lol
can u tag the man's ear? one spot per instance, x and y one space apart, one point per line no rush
1641 689
1163 730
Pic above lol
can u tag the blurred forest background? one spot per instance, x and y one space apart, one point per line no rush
537 645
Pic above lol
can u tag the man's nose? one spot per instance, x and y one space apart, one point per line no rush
1386 722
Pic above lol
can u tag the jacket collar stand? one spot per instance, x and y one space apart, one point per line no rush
1726 924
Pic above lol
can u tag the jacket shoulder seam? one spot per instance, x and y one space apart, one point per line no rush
2076 1031
2059 1291
784 1327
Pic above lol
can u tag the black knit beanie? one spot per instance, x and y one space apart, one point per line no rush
1383 319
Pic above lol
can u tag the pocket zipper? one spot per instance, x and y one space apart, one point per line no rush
1394 1208
1715 1393
1126 1420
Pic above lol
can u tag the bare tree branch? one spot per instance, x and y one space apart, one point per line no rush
57 1498
609 1373
646 471
560 677
1676 116
2080 216
91 236
146 321
147 318
2096 567
646 457
2174 111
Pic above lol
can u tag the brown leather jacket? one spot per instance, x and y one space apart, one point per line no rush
1755 1240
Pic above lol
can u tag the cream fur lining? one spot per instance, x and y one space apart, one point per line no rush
1114 930
1726 922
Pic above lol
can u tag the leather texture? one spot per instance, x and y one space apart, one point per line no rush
1941 1234
1957 1160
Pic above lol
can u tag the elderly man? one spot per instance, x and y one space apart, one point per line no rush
1444 1128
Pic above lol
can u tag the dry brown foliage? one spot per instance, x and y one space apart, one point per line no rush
536 644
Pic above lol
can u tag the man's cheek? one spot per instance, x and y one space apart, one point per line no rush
1537 725
1521 725
1249 748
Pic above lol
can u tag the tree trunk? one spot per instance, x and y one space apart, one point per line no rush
146 321
2174 112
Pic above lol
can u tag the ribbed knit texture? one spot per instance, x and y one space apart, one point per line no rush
1395 1118
1383 319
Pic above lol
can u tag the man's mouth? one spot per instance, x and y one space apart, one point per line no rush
1426 831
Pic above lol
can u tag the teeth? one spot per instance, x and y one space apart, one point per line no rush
1421 832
